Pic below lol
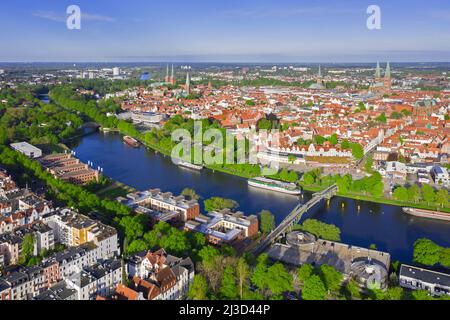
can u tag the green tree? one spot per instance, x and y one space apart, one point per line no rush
264 124
421 295
321 229
319 140
229 289
267 221
428 194
259 276
345 144
333 139
427 252
414 193
314 289
331 278
305 272
308 178
382 118
190 194
279 280
353 289
243 272
133 226
394 293
292 158
357 150
27 249
217 204
369 164
208 255
199 288
401 194
136 246
442 198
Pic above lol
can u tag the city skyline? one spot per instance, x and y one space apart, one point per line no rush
201 31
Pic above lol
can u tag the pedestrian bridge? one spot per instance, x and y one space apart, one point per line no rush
294 217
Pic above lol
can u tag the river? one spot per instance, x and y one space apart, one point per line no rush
385 226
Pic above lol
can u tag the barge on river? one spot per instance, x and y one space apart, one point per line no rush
275 185
427 214
131 141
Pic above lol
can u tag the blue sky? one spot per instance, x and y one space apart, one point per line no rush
225 31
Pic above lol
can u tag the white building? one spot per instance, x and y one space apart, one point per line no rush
27 149
415 278
440 176
98 279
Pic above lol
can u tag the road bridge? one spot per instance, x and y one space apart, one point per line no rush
294 218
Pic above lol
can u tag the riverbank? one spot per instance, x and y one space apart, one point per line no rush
362 223
313 189
244 171
382 200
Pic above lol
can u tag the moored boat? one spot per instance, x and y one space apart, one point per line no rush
190 165
427 214
275 185
131 141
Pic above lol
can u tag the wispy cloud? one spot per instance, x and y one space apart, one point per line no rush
53 16
286 12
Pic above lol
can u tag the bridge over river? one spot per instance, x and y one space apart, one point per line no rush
294 217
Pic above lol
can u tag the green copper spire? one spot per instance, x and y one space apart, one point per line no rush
387 74
378 71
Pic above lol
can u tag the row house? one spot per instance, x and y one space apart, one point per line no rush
98 279
315 151
156 276
416 278
26 283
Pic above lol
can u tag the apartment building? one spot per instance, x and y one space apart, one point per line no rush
225 226
163 206
73 229
67 168
99 279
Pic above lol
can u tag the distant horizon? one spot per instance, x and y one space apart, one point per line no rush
232 31
178 62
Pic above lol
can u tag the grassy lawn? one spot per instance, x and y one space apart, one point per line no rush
394 202
52 148
114 190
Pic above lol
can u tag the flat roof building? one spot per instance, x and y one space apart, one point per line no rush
27 149
415 278
224 226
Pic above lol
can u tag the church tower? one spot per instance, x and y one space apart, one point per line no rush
387 78
173 80
188 83
378 73
167 78
319 76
